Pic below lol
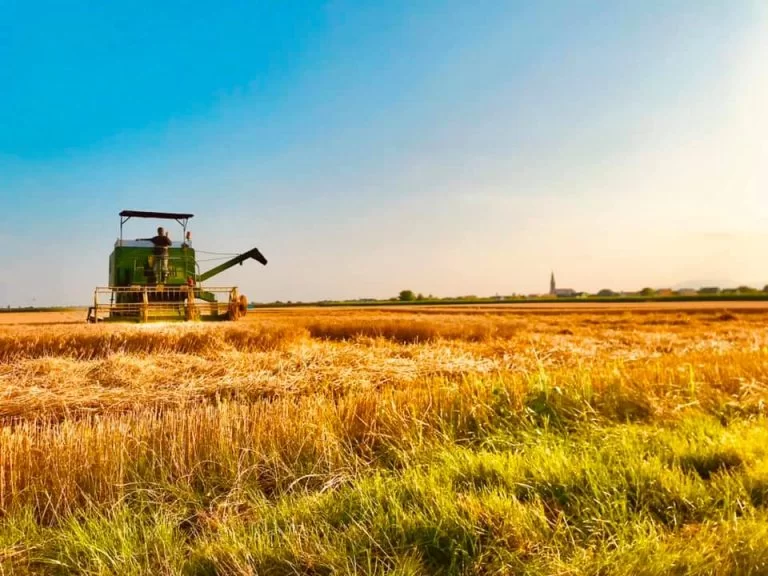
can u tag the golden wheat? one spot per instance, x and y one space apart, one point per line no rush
307 401
59 385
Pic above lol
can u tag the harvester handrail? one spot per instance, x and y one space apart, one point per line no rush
173 262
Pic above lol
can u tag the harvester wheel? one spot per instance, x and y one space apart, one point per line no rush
243 305
233 306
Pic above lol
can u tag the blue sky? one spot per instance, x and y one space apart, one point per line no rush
367 147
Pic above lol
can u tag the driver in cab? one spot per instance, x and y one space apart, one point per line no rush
161 243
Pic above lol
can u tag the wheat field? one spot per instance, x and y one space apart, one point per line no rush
494 440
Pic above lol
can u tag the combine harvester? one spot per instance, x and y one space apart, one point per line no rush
149 281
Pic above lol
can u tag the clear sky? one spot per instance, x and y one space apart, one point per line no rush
367 147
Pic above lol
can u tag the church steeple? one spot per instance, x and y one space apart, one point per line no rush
552 285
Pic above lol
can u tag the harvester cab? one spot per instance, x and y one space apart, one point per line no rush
158 278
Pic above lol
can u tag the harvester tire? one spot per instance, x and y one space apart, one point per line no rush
243 304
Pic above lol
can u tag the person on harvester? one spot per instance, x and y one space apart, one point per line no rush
161 242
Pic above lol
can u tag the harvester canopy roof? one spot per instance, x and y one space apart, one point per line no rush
126 215
162 215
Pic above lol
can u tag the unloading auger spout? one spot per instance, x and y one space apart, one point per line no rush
253 253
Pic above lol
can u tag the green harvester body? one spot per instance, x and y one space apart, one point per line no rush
150 283
134 266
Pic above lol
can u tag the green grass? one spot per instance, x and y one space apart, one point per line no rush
686 497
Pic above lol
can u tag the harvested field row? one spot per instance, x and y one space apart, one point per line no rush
269 332
90 370
58 388
89 342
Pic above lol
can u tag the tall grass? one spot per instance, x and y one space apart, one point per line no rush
373 444
532 501
281 440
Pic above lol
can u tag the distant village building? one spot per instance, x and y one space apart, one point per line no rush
559 292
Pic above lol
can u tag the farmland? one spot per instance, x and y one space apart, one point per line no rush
620 439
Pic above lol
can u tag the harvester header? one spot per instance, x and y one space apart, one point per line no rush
159 278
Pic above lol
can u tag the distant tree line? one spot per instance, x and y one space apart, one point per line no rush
406 296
